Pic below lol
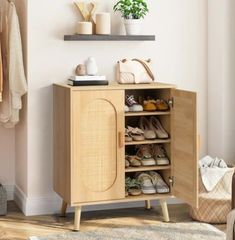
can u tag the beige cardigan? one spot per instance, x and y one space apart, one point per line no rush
16 85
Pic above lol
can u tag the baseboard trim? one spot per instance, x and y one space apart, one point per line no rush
32 206
20 199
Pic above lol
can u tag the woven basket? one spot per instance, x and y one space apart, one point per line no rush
3 200
214 206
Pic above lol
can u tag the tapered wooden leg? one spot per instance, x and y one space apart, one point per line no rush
147 204
165 210
77 218
63 209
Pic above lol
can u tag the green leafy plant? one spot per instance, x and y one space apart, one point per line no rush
131 9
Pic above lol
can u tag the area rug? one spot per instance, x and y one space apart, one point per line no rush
160 231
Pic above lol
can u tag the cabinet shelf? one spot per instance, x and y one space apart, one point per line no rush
145 142
143 169
144 197
76 37
134 114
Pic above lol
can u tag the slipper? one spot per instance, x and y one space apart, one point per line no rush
144 153
145 127
135 133
161 105
160 185
156 126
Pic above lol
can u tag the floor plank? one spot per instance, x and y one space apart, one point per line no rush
15 226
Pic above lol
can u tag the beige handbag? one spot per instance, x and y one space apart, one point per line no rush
134 71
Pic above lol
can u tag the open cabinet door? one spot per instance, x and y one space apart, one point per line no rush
184 146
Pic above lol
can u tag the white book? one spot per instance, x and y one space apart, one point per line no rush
88 78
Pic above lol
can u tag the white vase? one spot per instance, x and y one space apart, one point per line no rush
91 66
133 26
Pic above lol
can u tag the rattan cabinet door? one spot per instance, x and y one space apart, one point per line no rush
97 167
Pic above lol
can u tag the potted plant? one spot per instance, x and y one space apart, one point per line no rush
132 11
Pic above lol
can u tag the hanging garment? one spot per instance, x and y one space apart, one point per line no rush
1 72
16 85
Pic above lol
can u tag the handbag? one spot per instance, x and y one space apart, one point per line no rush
134 71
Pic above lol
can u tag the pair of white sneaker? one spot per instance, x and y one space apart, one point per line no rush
212 162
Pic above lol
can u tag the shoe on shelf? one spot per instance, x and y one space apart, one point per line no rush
145 127
144 153
162 105
160 185
156 125
128 138
147 186
133 161
127 164
135 133
148 104
133 105
160 155
132 187
126 108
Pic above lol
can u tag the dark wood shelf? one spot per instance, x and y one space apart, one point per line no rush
76 37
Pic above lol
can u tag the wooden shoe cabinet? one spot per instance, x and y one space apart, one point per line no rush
89 145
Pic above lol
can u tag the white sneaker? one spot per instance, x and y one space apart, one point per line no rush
133 105
147 186
126 108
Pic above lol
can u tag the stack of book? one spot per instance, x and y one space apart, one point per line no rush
87 80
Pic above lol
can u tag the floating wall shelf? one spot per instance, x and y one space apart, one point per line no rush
77 37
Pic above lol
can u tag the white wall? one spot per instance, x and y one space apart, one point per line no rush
179 54
221 74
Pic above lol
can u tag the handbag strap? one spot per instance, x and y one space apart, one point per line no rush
145 65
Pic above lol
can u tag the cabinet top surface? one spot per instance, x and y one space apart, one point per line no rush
117 86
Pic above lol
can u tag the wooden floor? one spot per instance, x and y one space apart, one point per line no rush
15 226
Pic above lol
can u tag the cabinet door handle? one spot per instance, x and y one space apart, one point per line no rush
121 139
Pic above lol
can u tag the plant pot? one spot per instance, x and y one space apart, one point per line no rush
133 26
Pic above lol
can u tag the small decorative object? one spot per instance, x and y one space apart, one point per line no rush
87 10
3 200
132 12
84 28
91 66
103 23
80 70
134 71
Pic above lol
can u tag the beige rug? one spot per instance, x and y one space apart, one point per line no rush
159 231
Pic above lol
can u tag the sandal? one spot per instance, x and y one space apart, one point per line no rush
160 185
135 133
132 187
156 125
145 127
134 161
147 186
128 138
144 153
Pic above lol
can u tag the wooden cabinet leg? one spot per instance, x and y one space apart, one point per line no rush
77 218
147 204
165 210
63 209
